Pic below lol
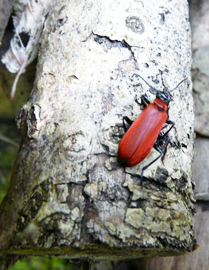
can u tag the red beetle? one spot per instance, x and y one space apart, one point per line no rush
145 132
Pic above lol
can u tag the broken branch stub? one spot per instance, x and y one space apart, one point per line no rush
69 196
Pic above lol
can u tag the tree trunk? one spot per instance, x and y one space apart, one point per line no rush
69 196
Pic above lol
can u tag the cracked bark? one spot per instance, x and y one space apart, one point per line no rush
69 197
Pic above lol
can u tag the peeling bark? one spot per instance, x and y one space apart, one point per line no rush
69 196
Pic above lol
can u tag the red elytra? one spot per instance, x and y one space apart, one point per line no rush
142 134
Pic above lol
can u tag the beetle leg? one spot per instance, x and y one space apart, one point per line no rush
169 122
160 146
128 121
118 135
144 101
160 150
173 143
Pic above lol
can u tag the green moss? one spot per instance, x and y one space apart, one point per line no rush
35 263
104 252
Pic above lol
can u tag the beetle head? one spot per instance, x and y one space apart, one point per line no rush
164 96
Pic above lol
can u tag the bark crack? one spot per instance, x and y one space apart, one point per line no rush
109 43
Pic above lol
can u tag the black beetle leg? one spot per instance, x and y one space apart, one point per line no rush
161 151
144 101
169 122
128 121
160 146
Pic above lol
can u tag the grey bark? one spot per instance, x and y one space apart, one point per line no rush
69 196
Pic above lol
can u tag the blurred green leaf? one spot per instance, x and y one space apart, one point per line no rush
42 263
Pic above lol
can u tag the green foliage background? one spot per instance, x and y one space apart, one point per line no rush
34 263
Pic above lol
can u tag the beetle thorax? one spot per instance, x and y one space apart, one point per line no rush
161 104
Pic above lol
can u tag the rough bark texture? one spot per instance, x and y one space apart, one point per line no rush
199 259
69 196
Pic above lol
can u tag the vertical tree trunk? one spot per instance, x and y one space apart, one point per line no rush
69 196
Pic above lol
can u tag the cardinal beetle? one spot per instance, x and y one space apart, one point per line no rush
146 131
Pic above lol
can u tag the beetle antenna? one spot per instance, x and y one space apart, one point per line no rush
153 90
178 85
